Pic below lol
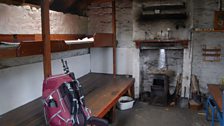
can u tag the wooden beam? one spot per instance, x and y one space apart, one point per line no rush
100 1
13 2
114 38
46 37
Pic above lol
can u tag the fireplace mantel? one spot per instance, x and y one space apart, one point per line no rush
161 43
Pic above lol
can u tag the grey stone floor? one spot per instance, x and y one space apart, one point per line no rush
144 114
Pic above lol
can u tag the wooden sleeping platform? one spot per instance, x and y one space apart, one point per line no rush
32 44
101 91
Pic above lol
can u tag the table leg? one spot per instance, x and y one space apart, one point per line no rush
131 91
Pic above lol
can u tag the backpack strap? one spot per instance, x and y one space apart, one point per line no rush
74 104
78 87
81 108
80 92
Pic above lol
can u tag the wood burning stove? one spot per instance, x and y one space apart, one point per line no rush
160 90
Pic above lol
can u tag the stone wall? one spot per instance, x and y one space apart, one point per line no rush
100 21
27 20
150 63
207 72
149 29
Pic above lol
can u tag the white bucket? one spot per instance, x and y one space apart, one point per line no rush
125 102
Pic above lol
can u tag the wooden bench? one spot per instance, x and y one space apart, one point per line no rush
102 92
216 93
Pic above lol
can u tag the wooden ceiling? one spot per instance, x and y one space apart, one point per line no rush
66 6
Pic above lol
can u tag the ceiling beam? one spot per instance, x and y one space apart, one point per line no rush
13 2
100 1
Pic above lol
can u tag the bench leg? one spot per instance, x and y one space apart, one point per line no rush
112 115
131 91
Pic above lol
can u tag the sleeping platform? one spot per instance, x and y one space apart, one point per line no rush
31 44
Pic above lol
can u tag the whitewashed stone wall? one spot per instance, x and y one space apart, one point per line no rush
207 72
27 20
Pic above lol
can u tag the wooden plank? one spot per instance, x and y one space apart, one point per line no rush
38 37
46 37
103 98
80 46
13 2
36 48
212 50
103 40
160 43
177 6
59 46
206 30
7 52
100 1
215 91
17 37
212 55
30 48
66 36
23 114
114 38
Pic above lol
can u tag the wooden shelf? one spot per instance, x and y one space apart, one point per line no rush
211 54
164 16
161 43
38 37
36 48
28 48
211 50
164 11
206 30
164 7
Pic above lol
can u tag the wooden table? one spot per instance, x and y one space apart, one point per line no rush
216 93
216 107
102 91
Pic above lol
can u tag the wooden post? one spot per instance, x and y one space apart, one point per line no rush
112 114
114 37
46 37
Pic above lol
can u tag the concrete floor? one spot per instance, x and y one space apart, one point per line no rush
144 114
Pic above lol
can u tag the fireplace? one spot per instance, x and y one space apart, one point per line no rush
160 90
159 73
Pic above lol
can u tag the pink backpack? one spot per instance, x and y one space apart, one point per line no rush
64 103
